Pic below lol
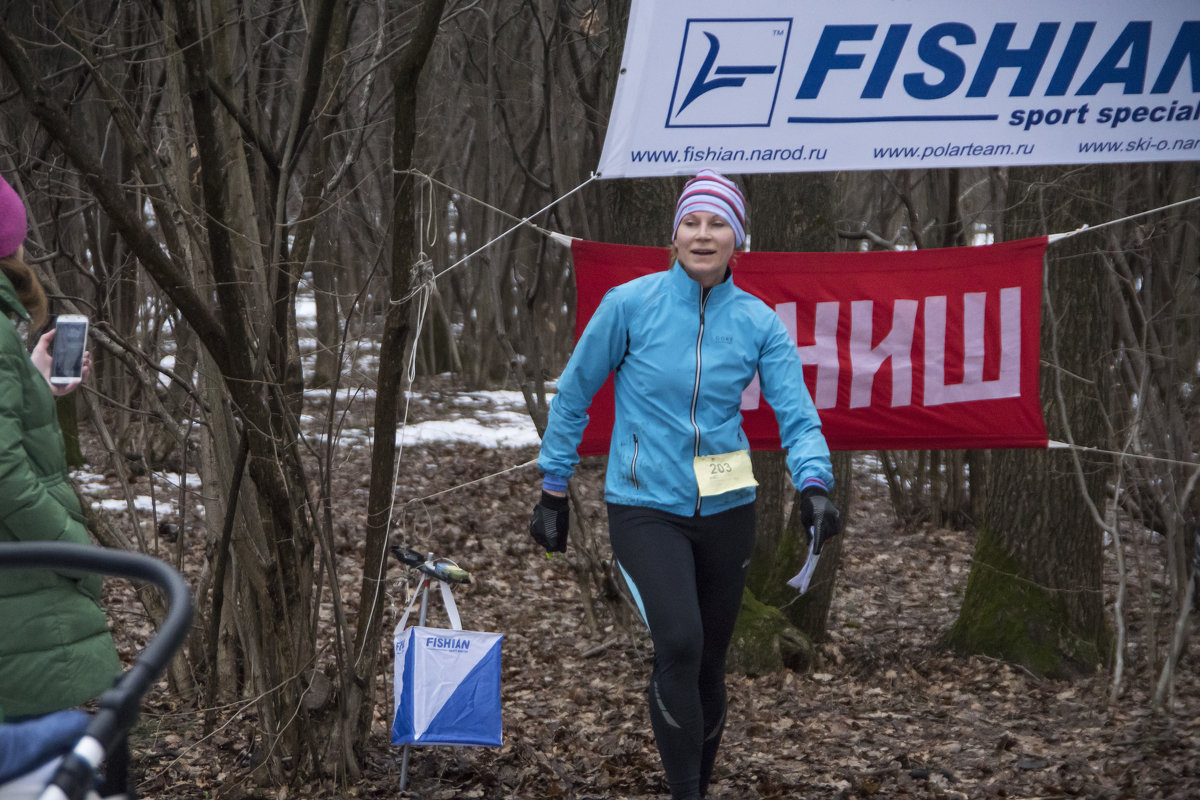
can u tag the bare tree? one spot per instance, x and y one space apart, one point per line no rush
233 141
1151 410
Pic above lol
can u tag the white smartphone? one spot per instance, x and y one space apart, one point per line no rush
70 340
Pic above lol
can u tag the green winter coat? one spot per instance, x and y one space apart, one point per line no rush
55 648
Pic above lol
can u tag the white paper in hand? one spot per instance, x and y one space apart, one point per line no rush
801 581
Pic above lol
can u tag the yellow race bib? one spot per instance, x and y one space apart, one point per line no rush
725 472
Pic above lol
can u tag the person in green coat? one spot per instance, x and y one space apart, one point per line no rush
56 651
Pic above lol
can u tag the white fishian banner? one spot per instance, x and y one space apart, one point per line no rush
802 86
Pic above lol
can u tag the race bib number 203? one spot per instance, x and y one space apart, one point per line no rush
724 472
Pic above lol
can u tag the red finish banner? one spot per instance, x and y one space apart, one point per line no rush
912 350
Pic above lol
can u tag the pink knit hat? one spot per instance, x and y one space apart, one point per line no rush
14 225
713 192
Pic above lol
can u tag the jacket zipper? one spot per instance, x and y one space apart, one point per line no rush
696 389
633 463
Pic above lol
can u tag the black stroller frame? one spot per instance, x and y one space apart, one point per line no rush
119 706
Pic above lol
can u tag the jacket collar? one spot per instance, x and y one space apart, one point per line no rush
681 283
9 303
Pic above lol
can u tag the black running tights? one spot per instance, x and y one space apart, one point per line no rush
686 575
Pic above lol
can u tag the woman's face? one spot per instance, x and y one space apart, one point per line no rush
704 241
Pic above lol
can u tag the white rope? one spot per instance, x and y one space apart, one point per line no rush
1058 237
565 240
1053 445
496 209
520 223
422 269
531 462
425 283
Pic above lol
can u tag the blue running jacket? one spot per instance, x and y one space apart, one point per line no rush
681 361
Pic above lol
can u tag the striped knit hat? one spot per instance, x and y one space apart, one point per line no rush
14 225
710 191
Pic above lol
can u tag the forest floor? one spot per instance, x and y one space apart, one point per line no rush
887 713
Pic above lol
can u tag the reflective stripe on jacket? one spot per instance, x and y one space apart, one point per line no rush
681 360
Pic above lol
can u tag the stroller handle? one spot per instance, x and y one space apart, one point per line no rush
119 706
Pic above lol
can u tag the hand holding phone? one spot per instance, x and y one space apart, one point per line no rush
70 342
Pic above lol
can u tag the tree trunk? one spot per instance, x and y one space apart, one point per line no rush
390 389
1034 594
788 213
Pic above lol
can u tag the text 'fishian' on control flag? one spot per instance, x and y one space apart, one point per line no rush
926 349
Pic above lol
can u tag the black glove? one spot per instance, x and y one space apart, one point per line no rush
819 516
549 523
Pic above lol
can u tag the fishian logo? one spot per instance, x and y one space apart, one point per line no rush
447 643
729 72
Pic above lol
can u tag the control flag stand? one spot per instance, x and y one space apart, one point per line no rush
447 682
